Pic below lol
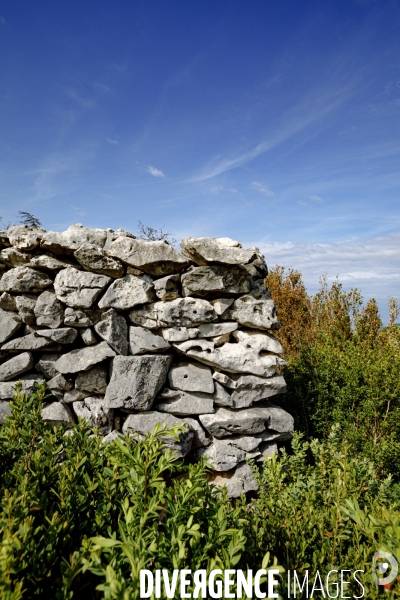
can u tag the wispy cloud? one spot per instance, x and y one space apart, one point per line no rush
155 172
262 189
2 21
113 142
315 198
84 102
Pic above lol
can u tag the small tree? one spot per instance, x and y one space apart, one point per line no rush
28 219
155 235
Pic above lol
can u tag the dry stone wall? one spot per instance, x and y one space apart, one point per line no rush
128 333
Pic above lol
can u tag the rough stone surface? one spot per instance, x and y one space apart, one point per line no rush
32 341
113 435
182 312
48 262
225 423
191 378
92 258
48 310
250 389
145 422
142 341
15 366
14 258
221 250
4 239
221 455
24 280
26 306
94 380
24 237
221 396
5 410
263 342
224 379
70 240
154 258
60 384
64 335
255 313
114 330
82 359
76 318
216 329
8 302
203 281
127 292
46 364
181 403
200 438
57 413
167 288
88 336
180 334
7 391
9 324
220 305
267 451
237 482
92 409
136 380
74 395
79 289
234 358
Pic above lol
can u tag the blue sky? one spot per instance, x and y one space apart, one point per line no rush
273 122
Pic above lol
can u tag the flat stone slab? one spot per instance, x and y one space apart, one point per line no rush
181 403
203 281
250 389
57 413
257 313
24 280
263 342
63 335
113 329
94 259
32 341
136 380
50 263
145 422
48 310
249 421
79 289
182 312
94 380
204 251
191 377
143 341
16 366
70 240
180 334
82 359
128 292
216 329
154 258
9 324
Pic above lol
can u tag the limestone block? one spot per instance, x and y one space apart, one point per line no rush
57 413
181 403
263 342
221 455
8 302
267 450
200 438
70 240
167 288
221 250
127 292
220 305
87 336
48 262
32 341
234 358
76 318
64 335
94 380
113 435
136 380
26 306
7 391
114 330
60 383
9 324
180 334
79 289
255 313
15 366
113 235
191 377
250 389
182 312
225 422
274 436
221 396
4 239
211 330
82 359
5 410
24 237
92 409
154 258
94 259
142 341
224 379
237 482
24 280
74 395
48 310
145 422
202 281
14 258
247 443
46 364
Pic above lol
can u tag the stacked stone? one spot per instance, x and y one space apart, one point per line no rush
128 333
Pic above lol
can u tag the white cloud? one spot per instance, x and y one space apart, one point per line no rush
316 198
113 142
261 189
155 172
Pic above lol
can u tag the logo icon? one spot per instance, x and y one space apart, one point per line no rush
380 565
